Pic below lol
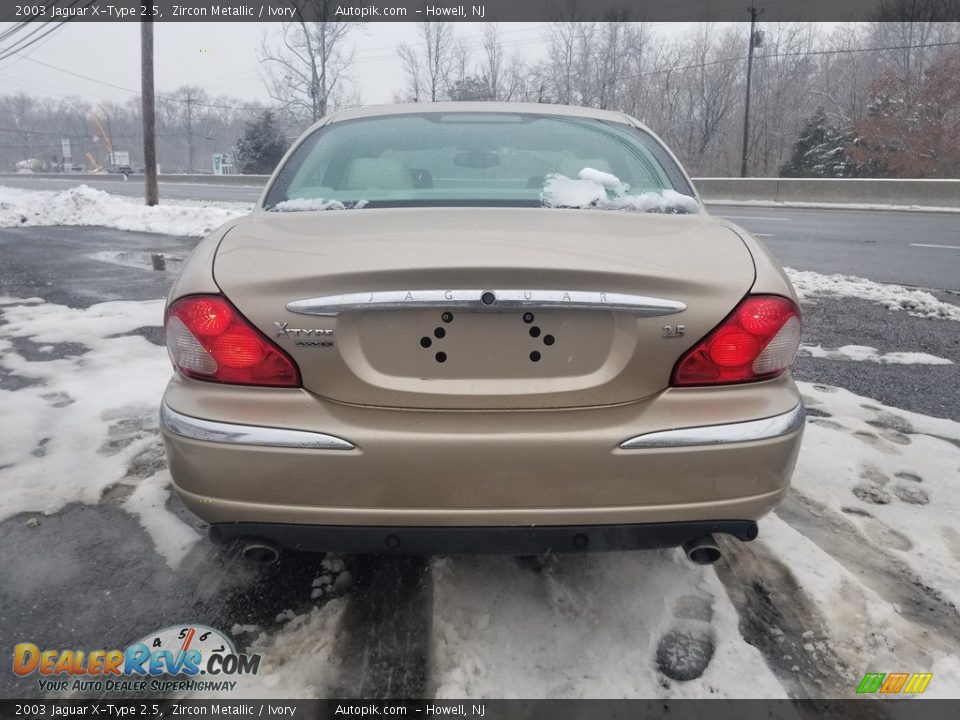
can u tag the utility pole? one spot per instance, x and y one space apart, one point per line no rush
189 102
754 42
149 111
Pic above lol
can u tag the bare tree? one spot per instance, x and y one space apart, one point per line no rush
494 70
712 88
563 30
430 65
410 59
306 64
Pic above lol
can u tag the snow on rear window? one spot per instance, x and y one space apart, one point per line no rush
314 204
605 191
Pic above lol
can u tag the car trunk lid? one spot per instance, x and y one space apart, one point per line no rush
481 308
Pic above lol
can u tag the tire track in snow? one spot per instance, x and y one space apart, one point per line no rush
386 629
889 576
778 618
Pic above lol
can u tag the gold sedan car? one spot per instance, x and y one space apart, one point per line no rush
481 327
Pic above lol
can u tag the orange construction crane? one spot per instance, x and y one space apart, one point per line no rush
103 134
96 166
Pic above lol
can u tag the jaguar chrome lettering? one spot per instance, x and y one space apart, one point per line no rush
495 299
420 296
284 331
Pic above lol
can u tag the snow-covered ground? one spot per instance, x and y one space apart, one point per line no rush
87 421
83 205
810 285
865 353
858 570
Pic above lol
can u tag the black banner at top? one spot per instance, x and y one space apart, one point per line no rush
45 11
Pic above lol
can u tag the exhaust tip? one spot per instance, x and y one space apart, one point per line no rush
702 550
260 552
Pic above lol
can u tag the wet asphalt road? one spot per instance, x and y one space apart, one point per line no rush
89 576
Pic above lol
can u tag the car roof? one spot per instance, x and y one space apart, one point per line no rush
479 107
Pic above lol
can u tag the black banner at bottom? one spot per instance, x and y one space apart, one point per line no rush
330 709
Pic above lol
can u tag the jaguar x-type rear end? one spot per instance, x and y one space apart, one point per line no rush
481 328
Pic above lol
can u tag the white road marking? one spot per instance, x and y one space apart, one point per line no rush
948 247
763 234
752 217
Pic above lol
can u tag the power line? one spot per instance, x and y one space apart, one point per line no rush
842 51
131 90
25 42
81 76
22 44
741 58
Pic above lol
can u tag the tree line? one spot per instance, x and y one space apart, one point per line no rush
873 99
191 127
877 99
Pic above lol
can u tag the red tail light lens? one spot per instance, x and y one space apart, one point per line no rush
208 339
757 341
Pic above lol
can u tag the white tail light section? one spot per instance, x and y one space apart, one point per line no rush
780 352
186 352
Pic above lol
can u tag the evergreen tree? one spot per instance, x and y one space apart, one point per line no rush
820 151
262 145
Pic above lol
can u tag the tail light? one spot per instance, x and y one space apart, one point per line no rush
757 341
208 339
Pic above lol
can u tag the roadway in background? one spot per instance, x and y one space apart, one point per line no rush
914 248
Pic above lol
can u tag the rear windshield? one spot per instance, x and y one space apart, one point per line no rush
480 159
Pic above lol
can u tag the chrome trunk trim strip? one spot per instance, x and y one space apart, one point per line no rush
750 431
212 431
492 300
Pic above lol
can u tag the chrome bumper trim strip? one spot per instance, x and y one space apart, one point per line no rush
212 431
741 432
490 300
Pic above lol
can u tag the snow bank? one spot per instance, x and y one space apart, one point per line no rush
865 353
810 284
300 660
83 205
601 190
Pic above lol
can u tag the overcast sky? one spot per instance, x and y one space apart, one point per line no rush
219 57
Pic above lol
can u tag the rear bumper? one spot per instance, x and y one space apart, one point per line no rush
481 540
691 455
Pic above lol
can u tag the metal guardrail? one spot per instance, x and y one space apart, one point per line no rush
811 191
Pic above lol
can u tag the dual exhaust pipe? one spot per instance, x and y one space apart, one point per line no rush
701 551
